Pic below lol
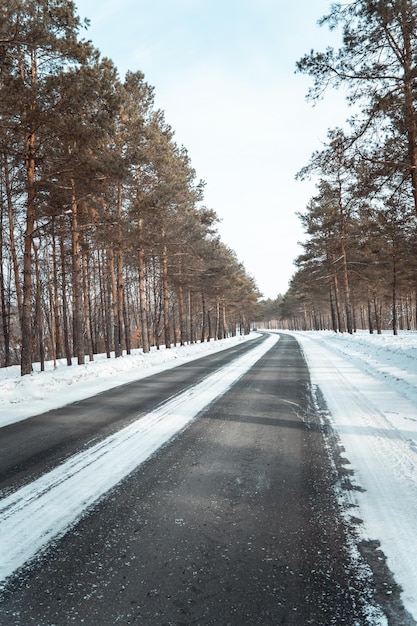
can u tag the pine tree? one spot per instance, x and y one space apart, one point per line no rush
377 65
34 60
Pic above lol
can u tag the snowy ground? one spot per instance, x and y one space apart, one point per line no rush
369 383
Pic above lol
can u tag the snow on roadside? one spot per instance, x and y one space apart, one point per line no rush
369 384
23 397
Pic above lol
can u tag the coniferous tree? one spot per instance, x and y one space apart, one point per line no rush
46 42
377 64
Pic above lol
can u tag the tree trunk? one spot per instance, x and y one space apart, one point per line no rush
225 328
56 311
333 310
38 325
50 317
219 320
370 322
337 301
203 322
210 330
394 291
115 316
409 109
126 318
26 355
78 320
4 308
157 306
191 312
119 268
120 298
142 291
348 304
408 312
105 305
377 310
13 252
95 309
86 300
30 145
68 352
165 294
181 305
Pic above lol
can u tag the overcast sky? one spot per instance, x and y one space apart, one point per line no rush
224 73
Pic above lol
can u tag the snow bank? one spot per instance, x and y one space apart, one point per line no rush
369 383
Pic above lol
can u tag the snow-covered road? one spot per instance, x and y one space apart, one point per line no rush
369 384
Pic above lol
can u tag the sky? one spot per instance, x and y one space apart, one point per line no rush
224 73
369 385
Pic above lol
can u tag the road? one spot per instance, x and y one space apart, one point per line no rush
234 521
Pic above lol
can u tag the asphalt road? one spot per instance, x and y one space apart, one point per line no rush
31 447
233 522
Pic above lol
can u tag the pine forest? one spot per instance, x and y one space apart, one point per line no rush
359 261
106 244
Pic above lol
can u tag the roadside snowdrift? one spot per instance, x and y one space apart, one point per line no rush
369 384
